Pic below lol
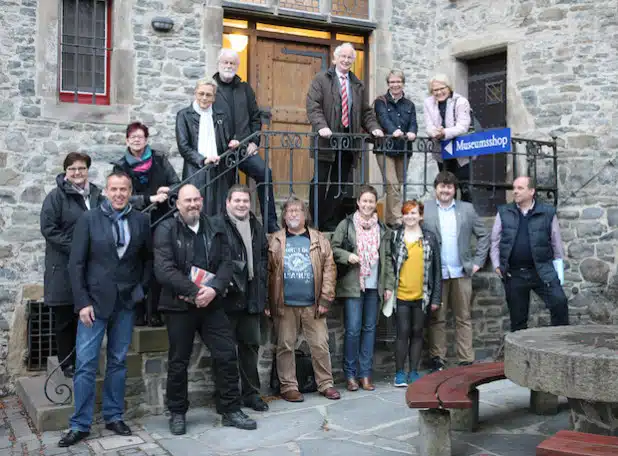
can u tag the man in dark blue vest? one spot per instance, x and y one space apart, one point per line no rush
526 252
110 268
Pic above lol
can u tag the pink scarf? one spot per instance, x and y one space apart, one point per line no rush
367 244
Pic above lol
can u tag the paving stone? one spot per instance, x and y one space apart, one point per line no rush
118 441
343 448
503 444
352 415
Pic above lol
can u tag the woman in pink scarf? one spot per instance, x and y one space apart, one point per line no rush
361 248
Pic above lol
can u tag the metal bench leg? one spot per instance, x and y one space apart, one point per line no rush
435 432
466 419
543 403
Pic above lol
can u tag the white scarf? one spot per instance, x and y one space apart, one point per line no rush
206 142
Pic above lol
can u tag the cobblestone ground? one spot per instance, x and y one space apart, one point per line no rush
360 424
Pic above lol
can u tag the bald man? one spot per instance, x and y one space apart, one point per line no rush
189 241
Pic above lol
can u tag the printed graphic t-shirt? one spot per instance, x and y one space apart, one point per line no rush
298 280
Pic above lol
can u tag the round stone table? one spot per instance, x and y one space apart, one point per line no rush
578 362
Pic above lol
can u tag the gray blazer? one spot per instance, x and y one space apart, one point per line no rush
468 223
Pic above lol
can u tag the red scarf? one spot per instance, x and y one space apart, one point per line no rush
367 244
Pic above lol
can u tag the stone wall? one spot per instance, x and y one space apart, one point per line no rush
562 64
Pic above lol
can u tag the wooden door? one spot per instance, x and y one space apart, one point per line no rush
282 74
487 95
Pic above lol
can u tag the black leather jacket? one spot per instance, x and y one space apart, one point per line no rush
173 253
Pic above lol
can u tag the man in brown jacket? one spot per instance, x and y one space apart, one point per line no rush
336 102
302 276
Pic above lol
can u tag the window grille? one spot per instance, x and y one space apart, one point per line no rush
85 48
41 338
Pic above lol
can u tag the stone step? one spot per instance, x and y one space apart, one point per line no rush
149 340
134 365
45 415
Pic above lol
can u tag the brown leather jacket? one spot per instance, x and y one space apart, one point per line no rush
324 270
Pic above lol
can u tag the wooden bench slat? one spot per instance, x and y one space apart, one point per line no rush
423 392
453 393
572 443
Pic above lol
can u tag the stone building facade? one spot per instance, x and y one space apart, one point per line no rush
562 80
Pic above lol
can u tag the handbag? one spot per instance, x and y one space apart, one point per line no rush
304 374
342 269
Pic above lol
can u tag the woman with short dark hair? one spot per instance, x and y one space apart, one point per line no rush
151 175
73 195
362 251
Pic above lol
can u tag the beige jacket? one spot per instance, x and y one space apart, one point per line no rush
324 270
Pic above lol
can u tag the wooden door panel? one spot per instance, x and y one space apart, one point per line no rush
284 72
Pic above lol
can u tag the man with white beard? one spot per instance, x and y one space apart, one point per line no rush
237 99
301 288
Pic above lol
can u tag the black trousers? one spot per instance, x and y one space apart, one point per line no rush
410 320
330 200
461 173
517 286
246 328
65 329
214 329
148 307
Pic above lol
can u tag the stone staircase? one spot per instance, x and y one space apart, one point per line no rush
147 345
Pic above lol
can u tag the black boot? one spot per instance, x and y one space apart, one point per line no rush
178 424
239 420
71 438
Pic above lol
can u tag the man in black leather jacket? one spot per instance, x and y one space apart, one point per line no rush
248 295
181 244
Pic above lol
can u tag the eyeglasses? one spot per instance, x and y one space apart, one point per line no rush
439 89
136 137
78 169
396 82
293 211
205 95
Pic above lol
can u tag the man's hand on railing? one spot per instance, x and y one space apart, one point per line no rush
234 143
325 132
411 136
378 133
210 160
252 149
397 133
158 198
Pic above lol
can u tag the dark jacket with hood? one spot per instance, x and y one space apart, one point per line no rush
254 299
173 257
61 209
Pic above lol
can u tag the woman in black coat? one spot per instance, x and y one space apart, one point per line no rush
61 208
152 175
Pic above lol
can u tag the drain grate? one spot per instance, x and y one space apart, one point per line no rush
41 338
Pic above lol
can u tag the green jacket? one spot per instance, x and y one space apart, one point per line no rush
348 286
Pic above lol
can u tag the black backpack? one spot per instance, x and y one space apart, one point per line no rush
304 374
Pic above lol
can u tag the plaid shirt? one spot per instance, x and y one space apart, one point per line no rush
432 294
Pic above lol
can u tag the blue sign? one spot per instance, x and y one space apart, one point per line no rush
482 143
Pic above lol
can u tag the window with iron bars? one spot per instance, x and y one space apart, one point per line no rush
85 50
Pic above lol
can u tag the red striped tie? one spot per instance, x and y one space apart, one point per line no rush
345 120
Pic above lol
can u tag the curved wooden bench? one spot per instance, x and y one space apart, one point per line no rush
572 443
448 400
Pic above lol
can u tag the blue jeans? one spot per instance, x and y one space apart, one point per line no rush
255 168
361 316
88 346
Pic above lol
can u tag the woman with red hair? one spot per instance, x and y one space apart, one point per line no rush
418 276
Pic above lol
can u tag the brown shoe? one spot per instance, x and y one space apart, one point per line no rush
293 396
366 384
331 393
352 384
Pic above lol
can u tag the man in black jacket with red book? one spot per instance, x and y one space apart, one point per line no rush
181 243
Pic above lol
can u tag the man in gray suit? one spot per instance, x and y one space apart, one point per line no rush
454 222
